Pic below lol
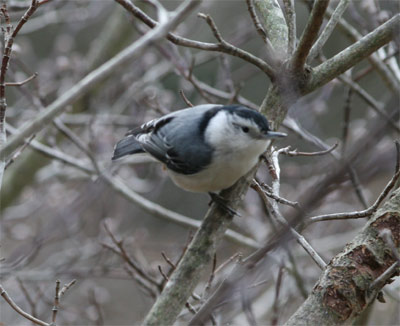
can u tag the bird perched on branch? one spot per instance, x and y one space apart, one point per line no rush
205 148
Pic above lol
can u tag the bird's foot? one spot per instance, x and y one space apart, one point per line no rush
222 203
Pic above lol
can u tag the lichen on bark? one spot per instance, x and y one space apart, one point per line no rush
345 288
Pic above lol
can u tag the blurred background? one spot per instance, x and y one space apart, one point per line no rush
55 210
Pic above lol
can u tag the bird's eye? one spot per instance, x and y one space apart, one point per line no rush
245 129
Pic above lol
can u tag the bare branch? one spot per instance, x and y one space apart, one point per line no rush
170 263
353 54
358 214
259 28
376 62
375 105
24 314
330 26
56 303
59 105
300 239
387 236
289 152
66 287
226 47
200 252
28 297
290 15
273 20
309 35
18 152
185 99
397 144
25 81
56 154
126 257
159 211
268 191
346 119
218 47
384 277
9 36
275 306
333 301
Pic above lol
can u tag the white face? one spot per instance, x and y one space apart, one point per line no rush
226 132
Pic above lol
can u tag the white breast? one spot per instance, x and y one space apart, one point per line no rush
223 172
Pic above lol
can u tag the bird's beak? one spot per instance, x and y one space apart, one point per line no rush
275 134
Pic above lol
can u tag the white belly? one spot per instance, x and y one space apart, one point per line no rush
219 176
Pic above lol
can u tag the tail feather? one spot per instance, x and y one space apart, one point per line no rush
126 146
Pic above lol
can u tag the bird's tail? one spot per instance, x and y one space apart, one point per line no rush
126 146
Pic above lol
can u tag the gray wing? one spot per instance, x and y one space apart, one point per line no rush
127 146
130 145
177 141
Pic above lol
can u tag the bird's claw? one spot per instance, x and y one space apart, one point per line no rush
222 203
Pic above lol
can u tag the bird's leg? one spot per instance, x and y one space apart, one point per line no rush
223 204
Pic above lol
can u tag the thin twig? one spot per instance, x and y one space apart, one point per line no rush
56 303
355 182
275 306
212 275
289 152
185 99
387 236
77 141
170 263
28 297
94 302
246 306
56 154
309 35
271 56
158 211
83 86
213 27
235 257
397 144
330 26
165 277
19 152
125 256
275 173
358 214
369 69
24 314
290 15
363 48
66 287
383 278
173 267
233 50
25 81
9 35
377 63
148 288
215 47
190 308
268 191
375 105
346 119
259 28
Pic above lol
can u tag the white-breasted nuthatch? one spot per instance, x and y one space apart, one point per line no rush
206 148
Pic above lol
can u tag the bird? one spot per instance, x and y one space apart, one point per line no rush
205 148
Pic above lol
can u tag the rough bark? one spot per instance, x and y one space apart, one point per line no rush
345 288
